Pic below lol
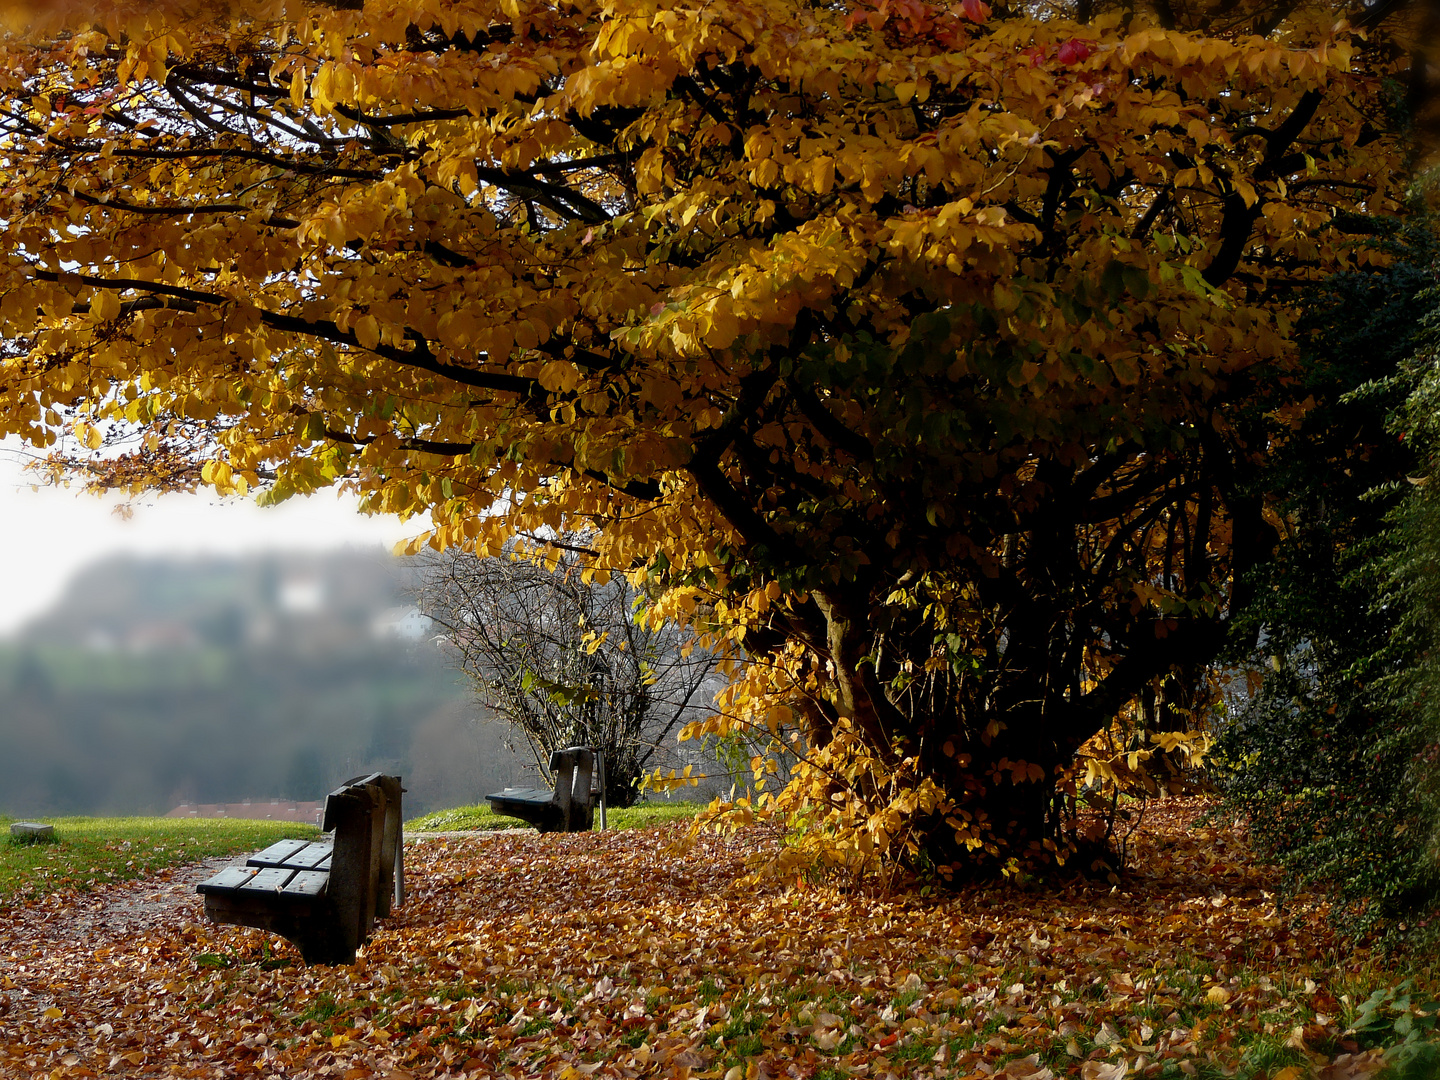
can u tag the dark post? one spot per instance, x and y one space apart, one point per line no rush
391 890
600 768
351 813
580 817
572 768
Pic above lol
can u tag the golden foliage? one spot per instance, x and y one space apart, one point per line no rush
907 350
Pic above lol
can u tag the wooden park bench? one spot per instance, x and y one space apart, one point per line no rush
571 806
324 895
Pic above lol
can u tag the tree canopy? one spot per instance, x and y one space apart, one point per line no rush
925 356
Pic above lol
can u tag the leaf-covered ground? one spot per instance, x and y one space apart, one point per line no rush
609 955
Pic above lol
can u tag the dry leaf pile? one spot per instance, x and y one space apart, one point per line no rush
609 955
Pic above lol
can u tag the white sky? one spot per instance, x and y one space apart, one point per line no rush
47 535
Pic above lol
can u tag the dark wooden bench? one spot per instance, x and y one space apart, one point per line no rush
324 895
570 807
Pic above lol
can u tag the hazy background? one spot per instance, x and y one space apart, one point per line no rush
157 680
207 650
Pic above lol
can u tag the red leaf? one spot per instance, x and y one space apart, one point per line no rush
1074 51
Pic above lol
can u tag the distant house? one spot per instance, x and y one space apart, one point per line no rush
257 810
402 622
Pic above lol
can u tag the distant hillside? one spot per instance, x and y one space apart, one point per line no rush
155 681
312 601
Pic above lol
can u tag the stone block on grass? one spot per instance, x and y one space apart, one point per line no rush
31 832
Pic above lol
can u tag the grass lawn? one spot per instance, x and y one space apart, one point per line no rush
89 852
482 817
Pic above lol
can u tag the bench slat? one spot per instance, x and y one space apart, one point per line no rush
535 805
305 856
277 854
271 879
312 856
227 880
306 883
539 796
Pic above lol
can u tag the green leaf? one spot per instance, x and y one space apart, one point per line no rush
1112 280
1137 282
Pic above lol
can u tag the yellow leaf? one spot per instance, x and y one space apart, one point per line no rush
724 328
560 376
321 88
501 343
1217 995
53 1013
106 305
823 173
367 331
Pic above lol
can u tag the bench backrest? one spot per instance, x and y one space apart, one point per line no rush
573 768
366 871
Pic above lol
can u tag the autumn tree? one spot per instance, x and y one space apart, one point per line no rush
911 353
565 661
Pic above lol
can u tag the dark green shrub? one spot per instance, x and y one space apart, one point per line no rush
1331 759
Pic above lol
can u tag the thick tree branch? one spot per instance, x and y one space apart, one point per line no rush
419 357
829 427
